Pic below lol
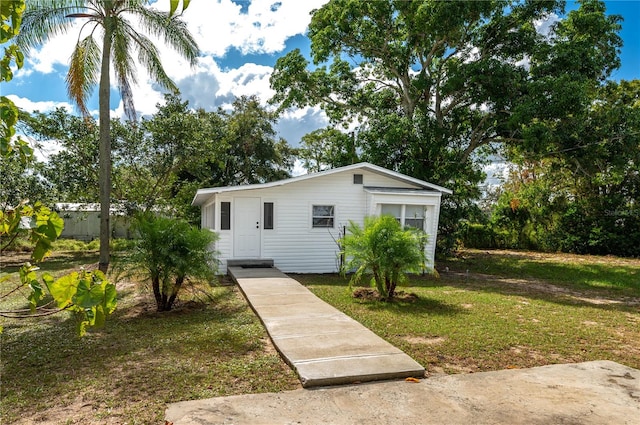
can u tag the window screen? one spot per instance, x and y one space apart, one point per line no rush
323 215
225 215
357 179
414 216
268 215
392 209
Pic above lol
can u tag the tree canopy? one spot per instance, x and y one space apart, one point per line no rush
161 160
432 88
580 194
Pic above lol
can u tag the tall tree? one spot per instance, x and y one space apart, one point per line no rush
254 155
434 87
90 63
327 147
580 192
73 170
87 294
160 160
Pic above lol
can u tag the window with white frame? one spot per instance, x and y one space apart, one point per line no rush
407 215
414 216
267 221
323 216
209 216
394 210
225 215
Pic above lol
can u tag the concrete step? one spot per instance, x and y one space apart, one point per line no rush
250 263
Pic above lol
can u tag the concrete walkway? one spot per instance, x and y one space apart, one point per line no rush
323 345
600 392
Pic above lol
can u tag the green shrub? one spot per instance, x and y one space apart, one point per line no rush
119 245
70 245
384 250
170 252
75 245
476 235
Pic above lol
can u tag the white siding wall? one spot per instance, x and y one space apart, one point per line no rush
293 244
224 246
85 225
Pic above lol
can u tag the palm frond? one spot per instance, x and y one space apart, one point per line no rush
126 95
173 31
45 19
124 66
149 57
84 72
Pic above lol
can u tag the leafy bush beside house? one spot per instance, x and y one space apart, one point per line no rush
171 252
385 250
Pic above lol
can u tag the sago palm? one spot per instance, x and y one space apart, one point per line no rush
107 22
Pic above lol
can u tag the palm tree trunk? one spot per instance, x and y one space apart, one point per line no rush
155 284
174 294
104 99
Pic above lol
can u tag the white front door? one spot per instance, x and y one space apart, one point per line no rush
246 240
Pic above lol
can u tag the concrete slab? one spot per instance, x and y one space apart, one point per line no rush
272 286
600 392
357 343
331 324
322 344
282 299
352 369
294 311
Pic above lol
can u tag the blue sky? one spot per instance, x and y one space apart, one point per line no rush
241 42
630 56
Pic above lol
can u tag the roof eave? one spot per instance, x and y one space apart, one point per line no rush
203 194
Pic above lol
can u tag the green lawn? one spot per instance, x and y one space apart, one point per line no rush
497 310
211 345
489 311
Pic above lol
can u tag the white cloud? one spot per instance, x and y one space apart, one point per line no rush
30 106
264 28
217 27
295 114
258 27
292 126
210 87
544 26
249 79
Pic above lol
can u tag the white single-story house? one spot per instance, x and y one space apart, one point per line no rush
297 222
